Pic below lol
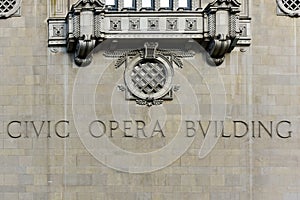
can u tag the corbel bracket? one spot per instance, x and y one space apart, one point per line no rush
223 33
83 29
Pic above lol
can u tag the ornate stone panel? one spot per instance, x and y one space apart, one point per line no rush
149 72
57 33
191 24
153 24
134 24
115 24
219 27
172 24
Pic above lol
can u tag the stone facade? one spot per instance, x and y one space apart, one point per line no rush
45 98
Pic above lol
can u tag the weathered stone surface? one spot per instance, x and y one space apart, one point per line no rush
261 84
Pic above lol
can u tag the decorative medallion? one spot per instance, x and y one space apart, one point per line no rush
9 7
149 73
289 7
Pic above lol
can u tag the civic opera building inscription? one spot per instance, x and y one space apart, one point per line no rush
149 99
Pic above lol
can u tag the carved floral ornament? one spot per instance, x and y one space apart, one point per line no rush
219 27
9 7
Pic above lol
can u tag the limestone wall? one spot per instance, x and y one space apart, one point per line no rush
47 151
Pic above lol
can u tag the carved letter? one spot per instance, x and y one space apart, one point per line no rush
223 132
8 129
192 127
126 127
235 129
56 127
260 124
289 132
91 132
140 129
112 128
35 130
159 130
204 132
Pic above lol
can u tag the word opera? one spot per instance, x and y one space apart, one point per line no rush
218 26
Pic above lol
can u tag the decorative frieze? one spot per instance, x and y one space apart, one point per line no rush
218 27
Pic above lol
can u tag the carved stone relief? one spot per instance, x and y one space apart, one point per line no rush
148 77
219 27
9 8
58 31
134 24
115 24
153 24
172 24
191 24
288 7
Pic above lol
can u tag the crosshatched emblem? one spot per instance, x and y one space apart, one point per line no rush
9 7
289 7
292 5
149 73
149 78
